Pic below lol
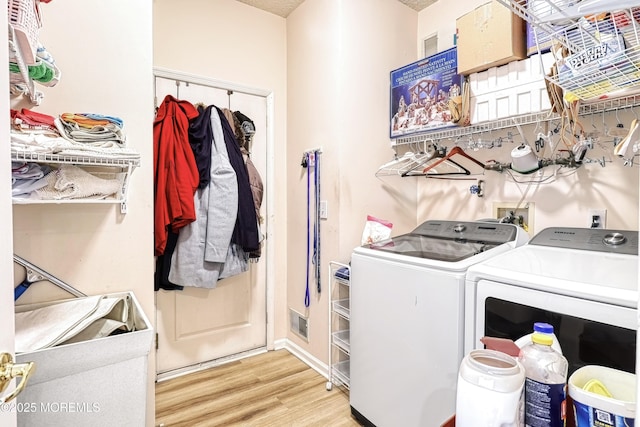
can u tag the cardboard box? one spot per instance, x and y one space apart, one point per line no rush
101 382
489 36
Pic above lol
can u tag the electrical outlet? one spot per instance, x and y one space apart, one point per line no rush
597 218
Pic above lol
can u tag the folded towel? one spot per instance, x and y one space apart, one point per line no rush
72 182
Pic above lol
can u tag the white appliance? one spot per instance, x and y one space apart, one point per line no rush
407 318
582 281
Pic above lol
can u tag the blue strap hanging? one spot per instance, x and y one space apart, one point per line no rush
307 164
316 228
309 160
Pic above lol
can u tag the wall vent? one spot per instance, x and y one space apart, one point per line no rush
299 324
430 46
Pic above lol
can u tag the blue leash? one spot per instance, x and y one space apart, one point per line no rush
307 297
316 226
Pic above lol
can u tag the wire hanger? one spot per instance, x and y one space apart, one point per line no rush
437 153
453 152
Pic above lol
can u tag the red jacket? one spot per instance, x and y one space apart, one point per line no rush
175 171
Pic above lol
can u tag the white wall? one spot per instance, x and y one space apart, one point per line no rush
440 19
340 53
104 50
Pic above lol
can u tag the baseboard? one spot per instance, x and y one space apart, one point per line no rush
163 376
286 344
306 357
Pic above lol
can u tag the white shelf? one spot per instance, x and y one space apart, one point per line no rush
75 159
342 307
339 333
120 166
342 340
341 373
586 108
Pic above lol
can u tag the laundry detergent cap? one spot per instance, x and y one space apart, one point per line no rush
543 339
542 327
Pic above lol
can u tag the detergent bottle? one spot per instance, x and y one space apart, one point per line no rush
544 328
545 387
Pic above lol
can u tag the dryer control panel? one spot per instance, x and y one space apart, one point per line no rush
589 239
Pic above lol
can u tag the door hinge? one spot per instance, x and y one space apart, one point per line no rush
156 340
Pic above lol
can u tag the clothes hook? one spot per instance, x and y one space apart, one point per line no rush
178 89
229 93
619 125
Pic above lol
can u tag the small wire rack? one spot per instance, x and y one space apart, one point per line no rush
596 44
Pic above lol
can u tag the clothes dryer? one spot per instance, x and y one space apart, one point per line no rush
582 281
407 318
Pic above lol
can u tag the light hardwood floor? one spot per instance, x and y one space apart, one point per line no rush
272 389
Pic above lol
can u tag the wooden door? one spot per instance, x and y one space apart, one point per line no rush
197 325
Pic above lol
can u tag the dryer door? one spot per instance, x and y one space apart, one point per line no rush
589 332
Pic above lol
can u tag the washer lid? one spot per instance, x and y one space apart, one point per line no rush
449 241
432 248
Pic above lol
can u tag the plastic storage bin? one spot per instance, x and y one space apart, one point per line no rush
595 408
101 382
24 16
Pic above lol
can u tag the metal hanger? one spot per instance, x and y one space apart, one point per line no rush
455 151
436 153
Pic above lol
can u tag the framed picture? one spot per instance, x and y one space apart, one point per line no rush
426 95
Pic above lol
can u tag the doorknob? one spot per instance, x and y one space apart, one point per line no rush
9 371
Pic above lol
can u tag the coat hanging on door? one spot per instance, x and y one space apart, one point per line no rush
244 129
174 168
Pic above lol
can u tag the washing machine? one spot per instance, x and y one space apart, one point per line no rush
583 281
407 319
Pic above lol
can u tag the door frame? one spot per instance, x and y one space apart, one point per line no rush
269 253
8 413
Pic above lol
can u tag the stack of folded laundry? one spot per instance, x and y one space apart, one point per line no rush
81 134
41 182
27 178
91 129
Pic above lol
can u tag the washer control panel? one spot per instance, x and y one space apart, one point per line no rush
473 231
589 239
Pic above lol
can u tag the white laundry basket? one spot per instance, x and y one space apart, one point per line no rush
101 382
24 17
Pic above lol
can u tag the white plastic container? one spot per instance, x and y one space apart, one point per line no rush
489 392
593 409
545 384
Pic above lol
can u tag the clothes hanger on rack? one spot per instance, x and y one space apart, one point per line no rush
401 164
445 168
455 151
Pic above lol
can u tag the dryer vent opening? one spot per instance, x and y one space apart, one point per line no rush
299 324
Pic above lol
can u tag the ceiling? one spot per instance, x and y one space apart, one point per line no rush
285 7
